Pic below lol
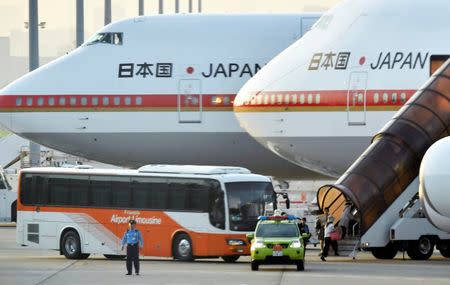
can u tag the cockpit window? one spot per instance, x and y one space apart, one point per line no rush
106 38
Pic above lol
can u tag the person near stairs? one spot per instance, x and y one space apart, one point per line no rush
328 229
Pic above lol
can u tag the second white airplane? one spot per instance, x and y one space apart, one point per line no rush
320 101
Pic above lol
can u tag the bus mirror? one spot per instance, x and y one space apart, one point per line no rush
250 237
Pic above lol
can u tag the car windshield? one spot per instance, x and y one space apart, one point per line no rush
246 202
277 230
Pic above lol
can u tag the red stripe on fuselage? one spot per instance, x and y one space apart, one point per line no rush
209 102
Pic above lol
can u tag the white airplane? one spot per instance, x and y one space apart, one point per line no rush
156 89
320 101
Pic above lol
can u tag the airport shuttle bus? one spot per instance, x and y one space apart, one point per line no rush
182 211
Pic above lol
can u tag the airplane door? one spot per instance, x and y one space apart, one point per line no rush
307 23
189 101
356 99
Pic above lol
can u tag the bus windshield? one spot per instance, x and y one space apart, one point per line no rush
246 202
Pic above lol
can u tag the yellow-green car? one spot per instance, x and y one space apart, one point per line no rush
277 240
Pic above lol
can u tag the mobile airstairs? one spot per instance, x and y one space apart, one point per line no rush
383 184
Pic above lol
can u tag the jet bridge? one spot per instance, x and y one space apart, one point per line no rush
391 163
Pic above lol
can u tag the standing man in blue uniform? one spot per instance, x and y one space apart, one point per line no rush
133 240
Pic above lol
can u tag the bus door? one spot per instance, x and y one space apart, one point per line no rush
356 99
189 101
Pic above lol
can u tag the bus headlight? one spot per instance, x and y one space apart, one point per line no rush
296 244
235 242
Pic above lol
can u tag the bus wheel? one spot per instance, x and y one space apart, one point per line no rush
421 249
230 258
387 252
71 246
112 256
182 247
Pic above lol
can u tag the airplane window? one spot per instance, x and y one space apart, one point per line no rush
117 38
127 101
259 99
385 97
83 101
29 101
226 100
403 97
266 99
310 98
286 99
317 98
51 101
94 101
394 98
302 98
19 101
105 101
279 99
106 38
40 101
272 99
138 100
117 101
376 98
73 101
294 98
62 101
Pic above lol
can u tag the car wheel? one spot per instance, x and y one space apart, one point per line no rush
71 246
300 265
230 258
421 249
182 247
255 265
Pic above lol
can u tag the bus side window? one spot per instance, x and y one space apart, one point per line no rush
100 191
120 191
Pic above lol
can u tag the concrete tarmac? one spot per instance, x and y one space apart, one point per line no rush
23 265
